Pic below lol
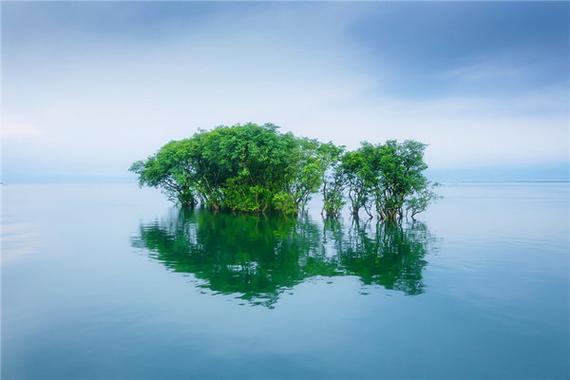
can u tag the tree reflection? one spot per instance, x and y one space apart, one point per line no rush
258 257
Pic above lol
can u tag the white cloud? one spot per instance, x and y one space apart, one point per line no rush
484 70
101 106
19 131
460 132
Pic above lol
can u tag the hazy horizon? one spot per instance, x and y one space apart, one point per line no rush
88 88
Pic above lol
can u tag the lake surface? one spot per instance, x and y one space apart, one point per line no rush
111 282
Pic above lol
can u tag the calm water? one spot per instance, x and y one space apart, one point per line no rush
110 282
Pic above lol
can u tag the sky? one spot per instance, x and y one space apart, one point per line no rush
90 87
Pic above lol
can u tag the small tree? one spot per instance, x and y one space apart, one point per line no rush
356 171
401 167
333 179
171 171
421 200
308 170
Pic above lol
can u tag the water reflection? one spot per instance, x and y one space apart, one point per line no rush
259 257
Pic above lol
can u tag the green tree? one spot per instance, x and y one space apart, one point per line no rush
250 168
401 168
356 170
170 170
255 168
420 201
307 171
333 179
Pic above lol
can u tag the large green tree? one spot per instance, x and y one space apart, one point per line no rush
251 168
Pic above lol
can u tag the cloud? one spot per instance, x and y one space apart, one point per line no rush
94 103
461 132
11 131
484 71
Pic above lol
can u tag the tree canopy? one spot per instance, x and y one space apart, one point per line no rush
255 168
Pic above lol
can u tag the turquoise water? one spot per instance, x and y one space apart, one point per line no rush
111 282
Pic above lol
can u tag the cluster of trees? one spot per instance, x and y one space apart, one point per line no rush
255 168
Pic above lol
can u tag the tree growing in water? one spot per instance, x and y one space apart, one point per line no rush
333 179
248 168
398 179
255 168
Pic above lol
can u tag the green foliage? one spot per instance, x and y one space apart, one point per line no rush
388 175
245 197
169 170
358 174
333 179
401 167
285 203
255 168
307 171
421 200
249 168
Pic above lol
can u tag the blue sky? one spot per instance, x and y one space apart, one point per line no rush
90 87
